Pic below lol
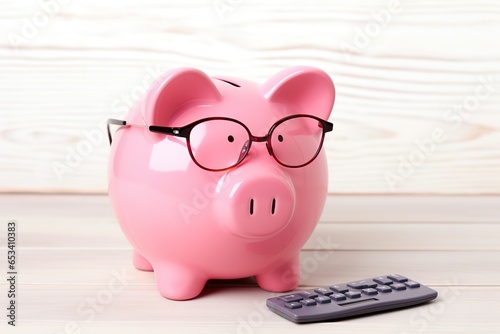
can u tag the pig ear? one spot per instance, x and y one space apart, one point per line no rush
308 89
173 90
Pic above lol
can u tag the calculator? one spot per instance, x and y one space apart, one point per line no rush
344 300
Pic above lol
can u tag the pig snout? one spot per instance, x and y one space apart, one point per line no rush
258 205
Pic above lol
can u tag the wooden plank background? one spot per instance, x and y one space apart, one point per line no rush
404 70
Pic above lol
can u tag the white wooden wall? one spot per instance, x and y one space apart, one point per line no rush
406 72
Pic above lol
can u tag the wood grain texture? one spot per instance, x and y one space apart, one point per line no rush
341 227
71 251
418 69
230 309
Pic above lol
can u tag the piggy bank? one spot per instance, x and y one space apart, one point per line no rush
221 177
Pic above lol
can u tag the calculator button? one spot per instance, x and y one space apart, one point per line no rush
362 284
353 294
290 298
293 305
398 286
308 302
369 291
397 278
384 288
341 288
383 280
308 294
412 284
323 291
323 299
338 297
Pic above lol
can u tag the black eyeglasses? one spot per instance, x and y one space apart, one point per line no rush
221 143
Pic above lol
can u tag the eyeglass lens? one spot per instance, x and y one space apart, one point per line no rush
296 141
218 144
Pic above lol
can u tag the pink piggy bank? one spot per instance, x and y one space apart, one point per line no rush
222 178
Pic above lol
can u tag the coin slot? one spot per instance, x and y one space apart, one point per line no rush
229 82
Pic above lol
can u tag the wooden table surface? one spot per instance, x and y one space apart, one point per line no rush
75 273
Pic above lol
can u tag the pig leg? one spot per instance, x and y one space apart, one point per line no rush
285 276
178 282
140 262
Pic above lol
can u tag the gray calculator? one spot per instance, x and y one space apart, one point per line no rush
344 300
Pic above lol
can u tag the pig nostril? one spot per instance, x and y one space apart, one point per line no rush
273 206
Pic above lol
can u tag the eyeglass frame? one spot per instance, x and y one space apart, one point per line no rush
185 131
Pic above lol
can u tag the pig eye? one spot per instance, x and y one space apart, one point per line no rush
230 138
280 138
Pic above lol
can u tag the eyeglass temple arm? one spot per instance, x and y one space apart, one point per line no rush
114 122
178 132
153 128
